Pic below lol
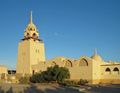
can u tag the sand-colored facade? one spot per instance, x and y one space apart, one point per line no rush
31 59
3 71
92 69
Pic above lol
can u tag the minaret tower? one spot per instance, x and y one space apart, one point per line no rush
30 50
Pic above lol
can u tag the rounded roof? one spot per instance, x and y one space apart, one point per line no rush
96 57
31 27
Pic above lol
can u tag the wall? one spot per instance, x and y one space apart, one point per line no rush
110 76
23 64
3 72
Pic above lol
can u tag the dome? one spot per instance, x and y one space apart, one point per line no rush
31 27
96 56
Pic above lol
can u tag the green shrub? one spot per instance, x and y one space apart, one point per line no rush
52 74
24 80
69 83
82 82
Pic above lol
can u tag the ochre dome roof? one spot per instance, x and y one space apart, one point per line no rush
31 27
96 57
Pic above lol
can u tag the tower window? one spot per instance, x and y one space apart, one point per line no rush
37 50
34 34
30 28
28 34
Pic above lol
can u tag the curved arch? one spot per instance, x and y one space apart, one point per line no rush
68 63
83 62
28 34
34 34
30 29
116 69
108 70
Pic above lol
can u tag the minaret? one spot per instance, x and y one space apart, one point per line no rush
31 31
30 49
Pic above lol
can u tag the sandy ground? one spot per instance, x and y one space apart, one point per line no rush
54 88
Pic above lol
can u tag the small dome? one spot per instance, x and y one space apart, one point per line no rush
96 57
31 27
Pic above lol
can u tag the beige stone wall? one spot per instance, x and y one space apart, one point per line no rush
3 69
110 76
30 53
23 64
81 69
95 72
3 72
78 70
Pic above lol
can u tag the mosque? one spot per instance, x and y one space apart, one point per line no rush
31 59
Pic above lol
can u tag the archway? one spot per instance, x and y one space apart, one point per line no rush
83 62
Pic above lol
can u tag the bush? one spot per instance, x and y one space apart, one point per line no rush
24 80
82 82
56 74
69 83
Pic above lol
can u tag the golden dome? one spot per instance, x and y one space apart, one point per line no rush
96 56
31 27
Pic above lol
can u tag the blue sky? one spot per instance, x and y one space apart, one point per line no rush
70 28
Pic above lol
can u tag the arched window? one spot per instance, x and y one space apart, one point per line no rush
108 70
31 29
83 62
34 35
116 69
28 34
68 63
